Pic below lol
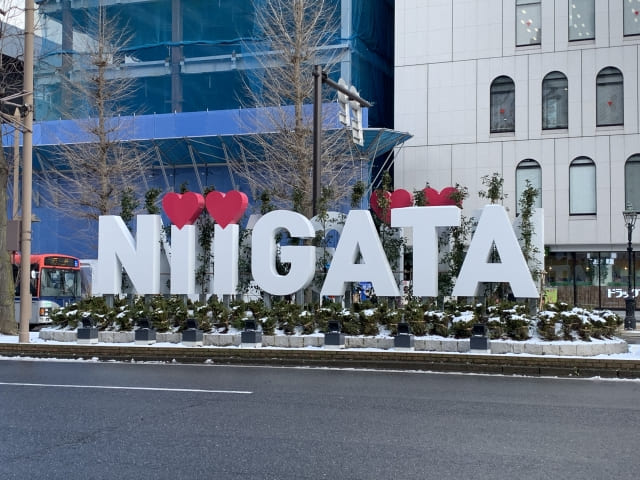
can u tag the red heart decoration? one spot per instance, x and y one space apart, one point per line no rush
226 208
398 199
610 102
183 209
435 198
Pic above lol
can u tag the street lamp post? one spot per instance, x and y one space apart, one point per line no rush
321 77
630 216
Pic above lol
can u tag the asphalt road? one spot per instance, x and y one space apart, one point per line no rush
74 420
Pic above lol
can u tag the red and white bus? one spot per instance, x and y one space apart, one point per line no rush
55 282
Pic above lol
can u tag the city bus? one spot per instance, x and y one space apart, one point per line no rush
55 282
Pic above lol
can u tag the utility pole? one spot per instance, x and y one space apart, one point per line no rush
320 77
27 145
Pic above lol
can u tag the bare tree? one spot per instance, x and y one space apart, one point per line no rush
90 174
11 83
293 36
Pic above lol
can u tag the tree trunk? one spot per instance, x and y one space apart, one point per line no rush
7 296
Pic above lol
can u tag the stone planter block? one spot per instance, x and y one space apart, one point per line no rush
568 350
551 349
533 348
312 341
384 343
296 341
123 337
167 337
464 346
500 347
449 345
282 341
268 340
354 342
370 342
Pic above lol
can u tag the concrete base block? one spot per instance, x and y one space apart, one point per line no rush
296 341
354 342
268 340
570 350
449 345
551 349
105 337
282 341
518 347
123 337
167 337
618 347
533 348
500 348
464 345
370 342
384 343
312 341
428 345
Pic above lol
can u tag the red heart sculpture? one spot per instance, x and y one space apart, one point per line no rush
434 199
183 209
226 208
398 199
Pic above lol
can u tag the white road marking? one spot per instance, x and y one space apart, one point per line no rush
111 387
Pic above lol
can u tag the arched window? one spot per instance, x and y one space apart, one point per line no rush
503 105
528 170
609 97
632 181
582 187
582 20
555 101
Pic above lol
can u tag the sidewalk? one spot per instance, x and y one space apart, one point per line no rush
606 366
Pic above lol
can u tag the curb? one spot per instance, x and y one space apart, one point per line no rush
311 357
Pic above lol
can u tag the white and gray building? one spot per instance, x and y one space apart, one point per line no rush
540 90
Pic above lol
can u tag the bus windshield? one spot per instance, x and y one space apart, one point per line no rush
57 282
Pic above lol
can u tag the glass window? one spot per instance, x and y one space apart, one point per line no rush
528 170
609 97
555 101
528 23
631 17
582 20
503 105
582 187
632 182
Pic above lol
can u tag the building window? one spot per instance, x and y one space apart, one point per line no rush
582 187
528 170
582 20
555 101
503 105
631 17
528 23
632 182
609 97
